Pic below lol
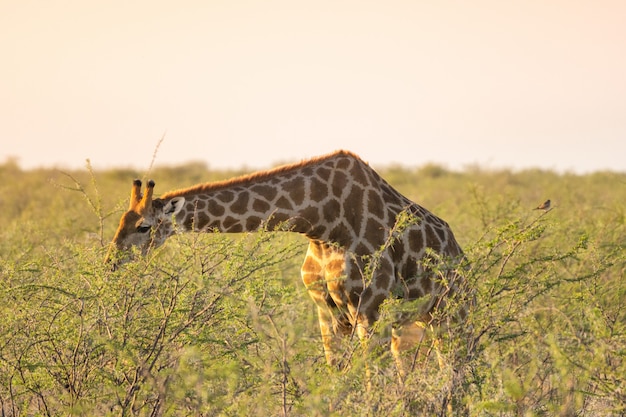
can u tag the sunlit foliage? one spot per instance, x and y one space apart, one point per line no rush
221 325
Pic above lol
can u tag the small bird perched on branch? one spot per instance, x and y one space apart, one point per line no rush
545 206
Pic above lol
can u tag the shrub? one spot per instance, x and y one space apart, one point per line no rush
220 324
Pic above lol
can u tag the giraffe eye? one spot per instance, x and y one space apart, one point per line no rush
143 229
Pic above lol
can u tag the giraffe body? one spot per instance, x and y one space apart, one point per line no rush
348 212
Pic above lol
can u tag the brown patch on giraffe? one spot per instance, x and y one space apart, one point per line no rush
377 300
202 220
383 275
340 234
415 292
362 249
295 188
386 265
331 210
339 183
389 193
359 176
416 240
452 247
240 206
277 219
409 272
216 209
311 215
284 203
225 196
317 232
213 225
383 281
228 222
429 218
323 173
366 293
268 192
375 231
187 222
253 223
432 239
353 206
426 283
375 180
319 190
354 296
441 233
344 163
375 204
260 206
200 205
397 251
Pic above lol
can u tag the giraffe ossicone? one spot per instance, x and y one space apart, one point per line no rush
350 215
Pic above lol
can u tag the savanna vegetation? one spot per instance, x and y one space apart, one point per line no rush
220 324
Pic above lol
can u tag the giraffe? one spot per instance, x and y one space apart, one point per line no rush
348 212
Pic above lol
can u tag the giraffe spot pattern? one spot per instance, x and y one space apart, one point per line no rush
200 205
331 211
215 209
339 184
240 205
297 186
375 204
267 191
354 205
225 196
319 190
340 234
229 222
201 219
323 174
375 229
284 203
260 206
253 223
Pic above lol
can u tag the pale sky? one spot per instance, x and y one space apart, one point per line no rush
517 84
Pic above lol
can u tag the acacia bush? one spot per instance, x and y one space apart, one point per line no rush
219 324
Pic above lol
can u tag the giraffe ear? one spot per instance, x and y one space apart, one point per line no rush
174 206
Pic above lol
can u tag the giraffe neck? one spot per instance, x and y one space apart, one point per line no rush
282 201
244 210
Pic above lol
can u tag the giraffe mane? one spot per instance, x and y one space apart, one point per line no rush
256 176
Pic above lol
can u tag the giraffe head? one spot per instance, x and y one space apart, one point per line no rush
145 225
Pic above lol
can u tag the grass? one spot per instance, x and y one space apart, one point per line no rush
221 324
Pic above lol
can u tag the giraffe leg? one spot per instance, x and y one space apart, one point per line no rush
408 343
312 272
330 339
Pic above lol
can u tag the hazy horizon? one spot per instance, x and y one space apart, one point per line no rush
87 163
